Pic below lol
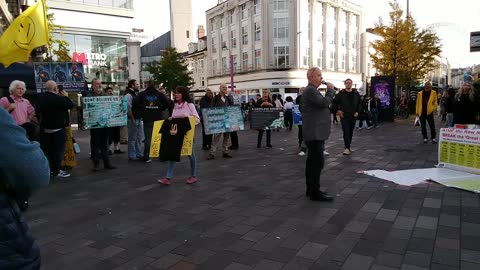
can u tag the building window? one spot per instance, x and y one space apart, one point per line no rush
332 60
281 56
214 45
258 58
214 66
354 42
279 4
306 56
320 59
245 60
221 21
231 13
244 11
233 40
344 60
280 28
257 31
212 24
188 34
224 65
223 42
234 62
244 35
200 63
353 66
256 7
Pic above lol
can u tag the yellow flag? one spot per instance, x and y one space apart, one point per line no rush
27 32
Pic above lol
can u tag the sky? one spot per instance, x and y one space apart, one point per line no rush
452 20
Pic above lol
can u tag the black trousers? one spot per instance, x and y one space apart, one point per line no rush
314 166
206 139
260 136
114 136
300 135
288 119
234 138
348 125
99 145
431 122
53 146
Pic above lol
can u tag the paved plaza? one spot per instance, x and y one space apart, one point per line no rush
250 212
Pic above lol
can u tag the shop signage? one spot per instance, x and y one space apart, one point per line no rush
280 83
91 59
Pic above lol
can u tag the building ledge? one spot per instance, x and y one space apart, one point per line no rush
120 12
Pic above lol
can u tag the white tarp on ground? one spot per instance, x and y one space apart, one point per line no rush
447 177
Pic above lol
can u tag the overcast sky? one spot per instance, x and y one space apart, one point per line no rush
454 20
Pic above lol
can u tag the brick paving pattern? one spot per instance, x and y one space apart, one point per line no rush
250 212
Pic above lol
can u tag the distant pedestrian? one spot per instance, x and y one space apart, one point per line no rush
426 107
374 110
134 123
183 109
464 106
301 142
205 103
347 105
221 100
449 107
265 102
316 129
114 134
288 113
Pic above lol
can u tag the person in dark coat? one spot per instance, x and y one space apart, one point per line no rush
23 169
206 102
265 102
464 106
316 129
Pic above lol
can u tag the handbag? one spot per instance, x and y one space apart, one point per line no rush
416 123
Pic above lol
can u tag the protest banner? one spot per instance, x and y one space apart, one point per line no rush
66 74
104 111
69 159
460 149
222 119
297 115
266 118
157 139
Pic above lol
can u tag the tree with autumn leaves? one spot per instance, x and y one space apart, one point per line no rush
406 51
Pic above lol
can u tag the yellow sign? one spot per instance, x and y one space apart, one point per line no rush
69 159
157 139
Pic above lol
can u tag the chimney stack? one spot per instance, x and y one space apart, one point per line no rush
200 32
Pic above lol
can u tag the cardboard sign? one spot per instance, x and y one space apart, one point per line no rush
266 118
222 119
297 115
460 149
157 139
104 111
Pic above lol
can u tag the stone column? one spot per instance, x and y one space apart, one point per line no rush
134 59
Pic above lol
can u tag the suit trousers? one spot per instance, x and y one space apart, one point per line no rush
314 166
53 146
99 145
216 141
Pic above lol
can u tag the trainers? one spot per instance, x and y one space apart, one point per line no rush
325 153
191 180
425 140
210 157
226 155
63 174
164 181
346 151
148 160
301 153
434 141
370 127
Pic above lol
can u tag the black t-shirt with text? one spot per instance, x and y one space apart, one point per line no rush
173 132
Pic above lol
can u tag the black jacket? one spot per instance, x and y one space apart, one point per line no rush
348 108
150 103
218 102
52 110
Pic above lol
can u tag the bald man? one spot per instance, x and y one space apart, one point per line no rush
221 100
316 129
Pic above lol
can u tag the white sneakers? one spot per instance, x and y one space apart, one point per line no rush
301 153
325 153
63 174
347 151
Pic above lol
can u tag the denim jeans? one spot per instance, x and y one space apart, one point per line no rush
53 146
135 139
172 164
449 120
374 112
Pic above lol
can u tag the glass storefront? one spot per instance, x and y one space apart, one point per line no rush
103 57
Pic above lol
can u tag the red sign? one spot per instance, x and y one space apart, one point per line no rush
81 58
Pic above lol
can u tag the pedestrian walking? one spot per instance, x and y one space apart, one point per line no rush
425 109
265 102
288 113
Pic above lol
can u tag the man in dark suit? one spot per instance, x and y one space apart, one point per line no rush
316 129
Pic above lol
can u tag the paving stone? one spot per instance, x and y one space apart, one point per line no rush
389 259
108 252
399 234
382 267
199 256
238 266
357 226
449 232
472 256
404 223
167 261
421 245
424 233
367 248
183 266
298 263
311 250
449 220
426 222
137 263
397 246
387 214
254 236
446 256
469 266
470 229
240 246
447 243
417 258
268 265
355 262
412 267
432 203
371 207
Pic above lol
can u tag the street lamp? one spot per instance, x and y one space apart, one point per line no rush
231 67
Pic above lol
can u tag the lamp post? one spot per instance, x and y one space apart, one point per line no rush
231 67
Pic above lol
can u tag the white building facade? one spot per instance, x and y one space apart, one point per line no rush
273 43
100 30
197 65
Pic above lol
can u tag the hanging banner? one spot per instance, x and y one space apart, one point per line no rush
266 118
66 74
222 119
157 139
104 111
